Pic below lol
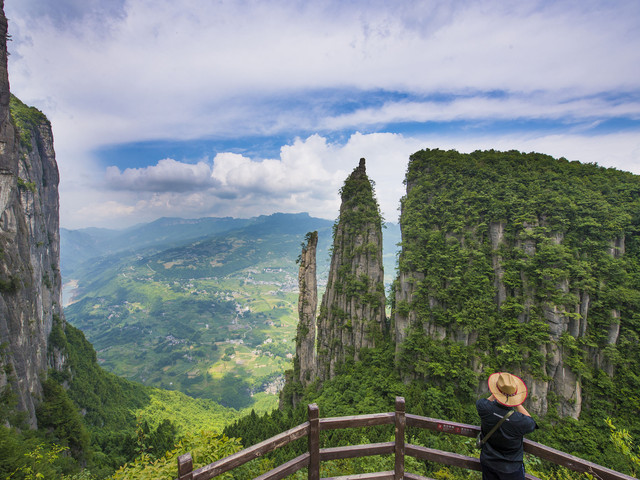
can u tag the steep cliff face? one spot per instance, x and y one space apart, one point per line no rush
516 262
352 312
30 283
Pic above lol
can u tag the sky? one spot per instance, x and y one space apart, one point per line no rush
194 108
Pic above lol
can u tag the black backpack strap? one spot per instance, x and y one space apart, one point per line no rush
496 427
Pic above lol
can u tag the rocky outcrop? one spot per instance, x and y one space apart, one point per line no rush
305 360
352 312
405 316
510 269
30 283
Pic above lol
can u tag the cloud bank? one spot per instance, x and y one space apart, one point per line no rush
332 81
308 174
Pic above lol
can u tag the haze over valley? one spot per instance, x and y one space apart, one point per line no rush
204 306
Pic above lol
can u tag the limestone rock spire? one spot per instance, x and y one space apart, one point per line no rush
305 361
352 313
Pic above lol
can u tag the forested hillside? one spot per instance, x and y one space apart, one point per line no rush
522 262
94 421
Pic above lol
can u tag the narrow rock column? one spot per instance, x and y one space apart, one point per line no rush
307 305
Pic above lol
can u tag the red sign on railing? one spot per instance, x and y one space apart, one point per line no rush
452 428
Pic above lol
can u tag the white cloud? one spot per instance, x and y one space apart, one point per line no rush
188 69
302 166
105 212
488 109
167 175
137 70
308 175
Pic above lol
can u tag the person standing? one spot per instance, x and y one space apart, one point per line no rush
502 454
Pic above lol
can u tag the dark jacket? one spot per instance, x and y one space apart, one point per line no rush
503 451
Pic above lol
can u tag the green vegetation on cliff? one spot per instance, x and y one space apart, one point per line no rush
352 312
518 258
26 119
359 208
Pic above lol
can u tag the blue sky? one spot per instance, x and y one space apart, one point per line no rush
195 108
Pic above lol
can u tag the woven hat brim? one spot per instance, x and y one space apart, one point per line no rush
512 400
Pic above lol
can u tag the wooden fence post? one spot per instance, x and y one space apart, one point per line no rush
185 467
314 443
401 422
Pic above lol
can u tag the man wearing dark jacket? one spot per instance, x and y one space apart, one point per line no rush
502 453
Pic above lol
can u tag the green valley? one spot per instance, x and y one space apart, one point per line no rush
213 317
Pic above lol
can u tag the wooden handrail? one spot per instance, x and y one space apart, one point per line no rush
442 426
315 455
232 461
355 421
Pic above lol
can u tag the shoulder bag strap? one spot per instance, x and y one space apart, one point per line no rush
496 427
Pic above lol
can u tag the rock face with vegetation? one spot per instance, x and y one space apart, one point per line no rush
352 312
520 262
30 283
305 359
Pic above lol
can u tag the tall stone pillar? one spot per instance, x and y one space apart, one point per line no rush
307 306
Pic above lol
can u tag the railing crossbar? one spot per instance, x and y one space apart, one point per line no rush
356 421
446 458
442 426
240 458
292 466
356 451
572 462
414 476
364 476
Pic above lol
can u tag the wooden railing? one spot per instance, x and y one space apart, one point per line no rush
312 458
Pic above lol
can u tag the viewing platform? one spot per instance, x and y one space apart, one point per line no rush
312 459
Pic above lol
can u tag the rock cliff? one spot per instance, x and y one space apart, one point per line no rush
509 262
30 283
516 262
352 313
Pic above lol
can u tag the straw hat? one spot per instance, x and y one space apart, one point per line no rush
508 389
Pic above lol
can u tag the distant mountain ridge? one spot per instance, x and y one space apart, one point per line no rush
77 246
